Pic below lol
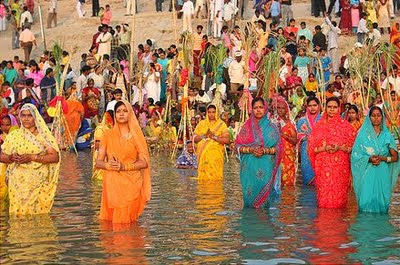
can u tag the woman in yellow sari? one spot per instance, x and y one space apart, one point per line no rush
211 135
8 124
33 164
125 161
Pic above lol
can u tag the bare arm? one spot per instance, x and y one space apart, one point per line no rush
197 138
223 139
292 138
51 156
100 161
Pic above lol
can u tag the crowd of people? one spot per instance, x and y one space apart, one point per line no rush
211 99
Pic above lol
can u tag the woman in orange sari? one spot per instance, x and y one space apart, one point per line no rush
125 159
395 40
289 141
73 117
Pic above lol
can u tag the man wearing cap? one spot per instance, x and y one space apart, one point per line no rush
236 73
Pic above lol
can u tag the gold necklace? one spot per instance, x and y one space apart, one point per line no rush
127 136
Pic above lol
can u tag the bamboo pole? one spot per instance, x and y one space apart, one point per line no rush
132 42
42 27
174 19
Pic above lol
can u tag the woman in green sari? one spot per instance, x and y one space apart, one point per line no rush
374 164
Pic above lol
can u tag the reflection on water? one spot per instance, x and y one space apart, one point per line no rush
189 223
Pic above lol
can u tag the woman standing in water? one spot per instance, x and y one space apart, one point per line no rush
329 147
304 126
33 164
289 141
211 135
258 144
125 159
374 163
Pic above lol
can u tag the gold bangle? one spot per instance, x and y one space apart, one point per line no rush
108 167
272 151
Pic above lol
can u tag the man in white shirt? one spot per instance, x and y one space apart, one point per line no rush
202 97
229 12
333 40
52 14
236 73
81 82
375 35
256 17
216 15
219 88
26 18
362 29
188 12
104 41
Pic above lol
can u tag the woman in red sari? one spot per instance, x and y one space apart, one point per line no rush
329 149
288 140
90 100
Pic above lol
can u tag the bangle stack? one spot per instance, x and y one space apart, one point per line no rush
388 159
269 151
246 150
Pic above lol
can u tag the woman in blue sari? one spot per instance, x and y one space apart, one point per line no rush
304 128
258 145
374 164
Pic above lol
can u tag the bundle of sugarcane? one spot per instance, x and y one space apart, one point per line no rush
384 57
59 127
361 66
270 69
215 56
248 44
320 74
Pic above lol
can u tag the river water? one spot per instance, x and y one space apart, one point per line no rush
190 223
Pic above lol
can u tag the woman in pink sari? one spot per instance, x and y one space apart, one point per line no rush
329 148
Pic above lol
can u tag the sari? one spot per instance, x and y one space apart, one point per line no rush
259 175
91 103
332 170
105 125
395 40
125 193
298 103
356 125
210 154
289 156
3 167
31 186
73 119
373 185
304 127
